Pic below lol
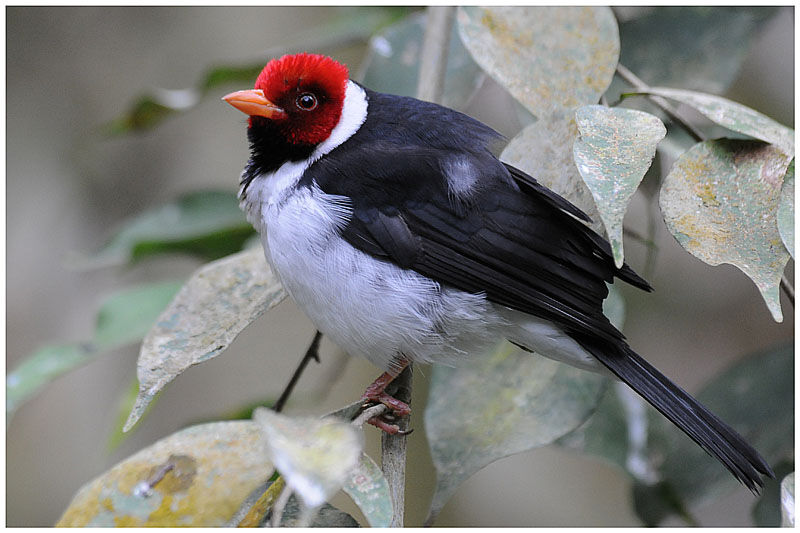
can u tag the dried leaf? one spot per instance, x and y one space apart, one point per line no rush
370 491
786 210
720 202
214 306
196 477
497 406
615 149
549 58
315 456
733 116
545 151
787 501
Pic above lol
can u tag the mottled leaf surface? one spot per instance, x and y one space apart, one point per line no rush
545 151
786 210
196 477
122 319
208 224
733 116
615 148
369 490
216 304
720 201
787 501
548 58
314 455
392 63
492 407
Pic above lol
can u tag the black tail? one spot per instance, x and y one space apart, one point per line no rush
711 433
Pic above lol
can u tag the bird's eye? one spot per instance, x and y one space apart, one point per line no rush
306 101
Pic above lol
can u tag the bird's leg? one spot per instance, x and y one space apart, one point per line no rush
376 392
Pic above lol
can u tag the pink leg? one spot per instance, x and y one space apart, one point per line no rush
376 392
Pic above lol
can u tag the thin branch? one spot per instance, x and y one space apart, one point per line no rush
433 56
311 353
393 450
665 106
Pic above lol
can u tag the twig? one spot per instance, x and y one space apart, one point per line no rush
366 414
665 106
393 450
433 56
311 353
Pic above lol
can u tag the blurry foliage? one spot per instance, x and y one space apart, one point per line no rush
714 41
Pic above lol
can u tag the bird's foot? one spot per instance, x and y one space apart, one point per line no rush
376 393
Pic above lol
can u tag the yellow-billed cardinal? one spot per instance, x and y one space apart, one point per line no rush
405 240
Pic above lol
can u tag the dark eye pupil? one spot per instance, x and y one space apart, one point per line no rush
307 101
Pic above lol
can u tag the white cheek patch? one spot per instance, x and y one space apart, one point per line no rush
462 176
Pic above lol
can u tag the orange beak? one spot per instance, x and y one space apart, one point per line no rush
253 102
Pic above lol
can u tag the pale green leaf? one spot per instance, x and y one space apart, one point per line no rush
315 456
615 148
500 405
734 116
392 63
212 308
549 58
545 151
369 490
196 477
787 501
208 224
786 210
121 320
720 201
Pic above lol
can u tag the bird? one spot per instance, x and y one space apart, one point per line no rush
394 226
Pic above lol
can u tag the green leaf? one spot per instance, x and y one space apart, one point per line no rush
208 224
697 47
787 501
121 320
496 406
734 116
545 151
370 491
196 477
392 63
767 510
720 201
213 307
549 58
615 148
315 456
786 210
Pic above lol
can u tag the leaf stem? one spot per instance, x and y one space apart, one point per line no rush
311 353
665 106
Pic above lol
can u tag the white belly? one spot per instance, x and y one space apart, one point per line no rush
370 308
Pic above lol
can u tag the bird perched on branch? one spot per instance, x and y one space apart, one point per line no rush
397 231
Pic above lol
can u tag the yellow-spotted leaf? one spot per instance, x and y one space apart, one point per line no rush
615 148
314 455
733 116
216 304
720 201
197 477
548 58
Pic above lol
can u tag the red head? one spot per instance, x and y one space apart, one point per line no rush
301 94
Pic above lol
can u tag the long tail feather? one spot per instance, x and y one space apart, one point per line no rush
711 433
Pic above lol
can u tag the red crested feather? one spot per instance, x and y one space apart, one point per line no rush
299 72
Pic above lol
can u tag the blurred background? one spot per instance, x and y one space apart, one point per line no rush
68 185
